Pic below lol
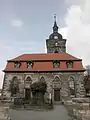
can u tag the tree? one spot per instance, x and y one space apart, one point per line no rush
14 87
87 70
38 90
87 80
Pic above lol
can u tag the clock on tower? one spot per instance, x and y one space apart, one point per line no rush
55 37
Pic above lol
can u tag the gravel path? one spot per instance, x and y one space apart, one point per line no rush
59 113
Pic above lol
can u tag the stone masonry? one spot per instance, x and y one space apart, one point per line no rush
64 78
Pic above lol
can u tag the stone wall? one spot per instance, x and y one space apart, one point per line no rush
4 111
49 78
78 108
80 90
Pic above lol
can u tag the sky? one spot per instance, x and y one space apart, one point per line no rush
26 24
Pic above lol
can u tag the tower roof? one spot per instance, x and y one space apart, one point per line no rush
55 30
55 27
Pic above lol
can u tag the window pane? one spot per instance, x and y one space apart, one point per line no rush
56 64
29 64
17 65
69 64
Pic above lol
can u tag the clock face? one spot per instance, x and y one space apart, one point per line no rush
55 37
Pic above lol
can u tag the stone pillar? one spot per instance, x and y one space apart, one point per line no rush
6 93
64 92
80 90
21 89
53 95
50 91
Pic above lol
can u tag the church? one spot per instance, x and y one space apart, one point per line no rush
62 72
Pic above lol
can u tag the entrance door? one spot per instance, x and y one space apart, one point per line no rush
56 94
27 94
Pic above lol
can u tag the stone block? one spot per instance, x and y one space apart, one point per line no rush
81 100
4 112
86 106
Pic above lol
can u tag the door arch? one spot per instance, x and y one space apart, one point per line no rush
42 79
28 82
56 88
14 86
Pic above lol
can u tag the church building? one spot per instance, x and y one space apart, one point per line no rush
63 73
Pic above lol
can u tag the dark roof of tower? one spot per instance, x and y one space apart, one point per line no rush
55 27
55 31
55 34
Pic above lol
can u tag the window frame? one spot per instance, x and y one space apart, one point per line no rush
30 64
17 64
56 62
68 64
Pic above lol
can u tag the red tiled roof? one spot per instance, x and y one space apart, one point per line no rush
45 56
43 62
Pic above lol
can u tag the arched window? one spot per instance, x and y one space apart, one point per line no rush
56 83
42 79
28 80
14 86
72 86
56 79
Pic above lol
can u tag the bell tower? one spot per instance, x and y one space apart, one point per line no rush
55 43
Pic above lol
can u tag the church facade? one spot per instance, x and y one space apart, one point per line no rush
63 73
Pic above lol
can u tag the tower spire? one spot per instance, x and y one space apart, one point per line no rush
55 27
54 18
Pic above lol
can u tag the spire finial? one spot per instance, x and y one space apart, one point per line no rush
54 17
55 27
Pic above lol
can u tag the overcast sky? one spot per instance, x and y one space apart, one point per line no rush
25 24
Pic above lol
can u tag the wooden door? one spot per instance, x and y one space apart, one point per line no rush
27 94
56 94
